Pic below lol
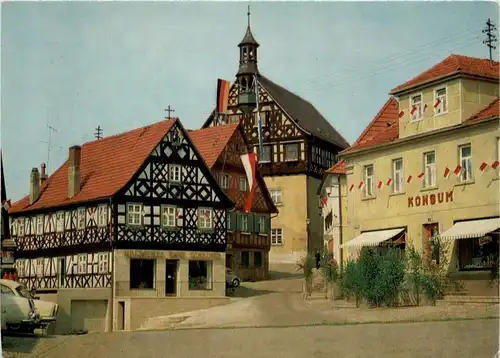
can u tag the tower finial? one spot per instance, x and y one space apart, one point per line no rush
248 14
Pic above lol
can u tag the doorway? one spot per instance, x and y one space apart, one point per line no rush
431 231
171 277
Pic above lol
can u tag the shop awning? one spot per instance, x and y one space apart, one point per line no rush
471 229
372 238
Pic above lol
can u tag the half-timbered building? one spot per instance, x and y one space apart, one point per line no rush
249 235
133 219
299 145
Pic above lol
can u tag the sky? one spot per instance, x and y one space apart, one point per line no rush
78 65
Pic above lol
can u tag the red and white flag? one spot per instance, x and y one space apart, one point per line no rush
249 163
401 114
409 179
483 167
361 185
421 176
380 184
413 109
447 173
438 101
495 164
351 187
388 182
458 170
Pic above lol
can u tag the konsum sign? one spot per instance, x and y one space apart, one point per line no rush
430 199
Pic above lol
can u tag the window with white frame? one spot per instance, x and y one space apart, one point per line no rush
103 216
276 196
20 265
416 107
368 180
169 218
259 224
465 152
205 216
243 184
103 263
244 222
429 169
20 227
82 264
224 181
134 214
440 101
39 225
291 152
39 267
276 237
266 154
175 173
81 218
60 221
397 175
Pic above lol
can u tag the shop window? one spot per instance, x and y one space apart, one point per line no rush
245 259
200 275
257 259
142 273
477 253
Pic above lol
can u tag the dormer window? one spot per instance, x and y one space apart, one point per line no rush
440 101
416 108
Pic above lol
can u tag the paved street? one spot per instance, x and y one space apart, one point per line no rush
278 303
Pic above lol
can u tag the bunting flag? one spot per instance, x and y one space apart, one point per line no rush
413 109
401 114
447 173
438 101
380 184
222 95
409 179
351 187
458 170
249 163
389 181
483 167
421 176
425 107
495 164
361 185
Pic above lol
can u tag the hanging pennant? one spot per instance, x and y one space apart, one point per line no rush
249 163
483 167
447 173
222 95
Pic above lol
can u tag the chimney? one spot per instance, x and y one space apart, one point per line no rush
34 185
43 175
74 171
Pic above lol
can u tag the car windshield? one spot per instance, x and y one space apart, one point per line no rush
23 291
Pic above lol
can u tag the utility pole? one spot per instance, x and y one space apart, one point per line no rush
491 37
169 110
98 133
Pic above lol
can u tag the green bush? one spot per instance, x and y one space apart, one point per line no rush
391 278
329 268
350 278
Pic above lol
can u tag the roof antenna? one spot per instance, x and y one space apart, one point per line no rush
169 110
98 132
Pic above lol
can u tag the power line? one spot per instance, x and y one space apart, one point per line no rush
490 37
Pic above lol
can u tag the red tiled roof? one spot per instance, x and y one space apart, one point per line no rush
338 168
211 141
452 65
491 110
106 166
383 128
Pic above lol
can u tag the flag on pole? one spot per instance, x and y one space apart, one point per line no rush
447 173
409 179
438 101
458 170
222 95
250 163
351 187
495 164
483 167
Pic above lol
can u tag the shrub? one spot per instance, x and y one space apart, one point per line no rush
350 281
390 278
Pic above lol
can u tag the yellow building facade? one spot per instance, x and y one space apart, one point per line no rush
428 161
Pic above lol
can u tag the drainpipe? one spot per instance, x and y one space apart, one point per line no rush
112 293
341 226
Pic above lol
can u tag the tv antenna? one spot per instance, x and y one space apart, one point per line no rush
98 132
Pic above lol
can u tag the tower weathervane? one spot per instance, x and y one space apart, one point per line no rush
248 14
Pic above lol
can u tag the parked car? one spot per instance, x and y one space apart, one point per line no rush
18 307
17 298
231 279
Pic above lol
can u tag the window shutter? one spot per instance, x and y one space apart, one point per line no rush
233 220
267 224
250 219
238 221
255 220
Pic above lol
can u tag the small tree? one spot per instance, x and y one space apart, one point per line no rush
350 281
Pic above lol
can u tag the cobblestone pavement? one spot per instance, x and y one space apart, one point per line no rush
453 339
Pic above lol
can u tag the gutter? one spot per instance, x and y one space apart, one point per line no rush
425 135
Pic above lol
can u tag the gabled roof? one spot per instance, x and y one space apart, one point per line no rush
304 113
106 166
452 65
383 128
490 111
338 168
211 141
